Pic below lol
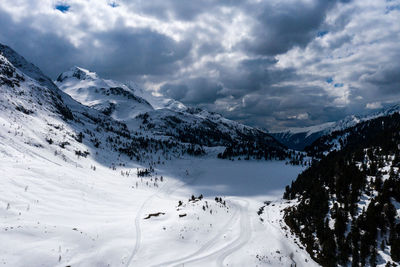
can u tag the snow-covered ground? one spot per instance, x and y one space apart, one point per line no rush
57 213
69 196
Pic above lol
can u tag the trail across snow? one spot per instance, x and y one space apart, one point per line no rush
235 235
208 252
219 254
244 236
59 213
169 187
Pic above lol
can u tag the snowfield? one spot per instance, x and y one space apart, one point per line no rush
78 189
57 213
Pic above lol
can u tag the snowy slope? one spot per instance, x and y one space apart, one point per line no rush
110 97
70 194
352 191
301 137
169 118
26 67
198 127
27 99
59 214
310 130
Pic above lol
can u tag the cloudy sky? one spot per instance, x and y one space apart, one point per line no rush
268 63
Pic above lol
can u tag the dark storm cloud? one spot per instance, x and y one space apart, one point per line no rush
193 91
265 63
281 26
289 106
126 52
387 78
248 76
47 50
137 52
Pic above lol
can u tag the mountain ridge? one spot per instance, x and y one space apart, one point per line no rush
170 118
300 137
347 204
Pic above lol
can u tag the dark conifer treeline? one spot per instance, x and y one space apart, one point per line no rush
262 149
346 209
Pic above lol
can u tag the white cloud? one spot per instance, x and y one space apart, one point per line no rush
271 60
374 105
301 116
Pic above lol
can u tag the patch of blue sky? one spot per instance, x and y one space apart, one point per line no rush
338 85
392 8
322 33
62 7
113 4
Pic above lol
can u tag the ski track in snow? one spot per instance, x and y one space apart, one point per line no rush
138 231
244 237
205 247
166 189
214 252
207 251
218 256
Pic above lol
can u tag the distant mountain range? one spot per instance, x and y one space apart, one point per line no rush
300 138
168 118
88 103
157 117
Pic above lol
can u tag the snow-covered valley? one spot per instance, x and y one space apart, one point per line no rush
92 174
58 213
80 188
199 133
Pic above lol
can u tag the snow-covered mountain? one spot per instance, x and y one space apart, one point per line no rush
78 188
55 119
167 119
134 127
110 97
105 94
26 67
301 137
35 94
338 137
347 209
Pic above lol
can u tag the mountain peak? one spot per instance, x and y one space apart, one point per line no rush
8 74
77 73
26 67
